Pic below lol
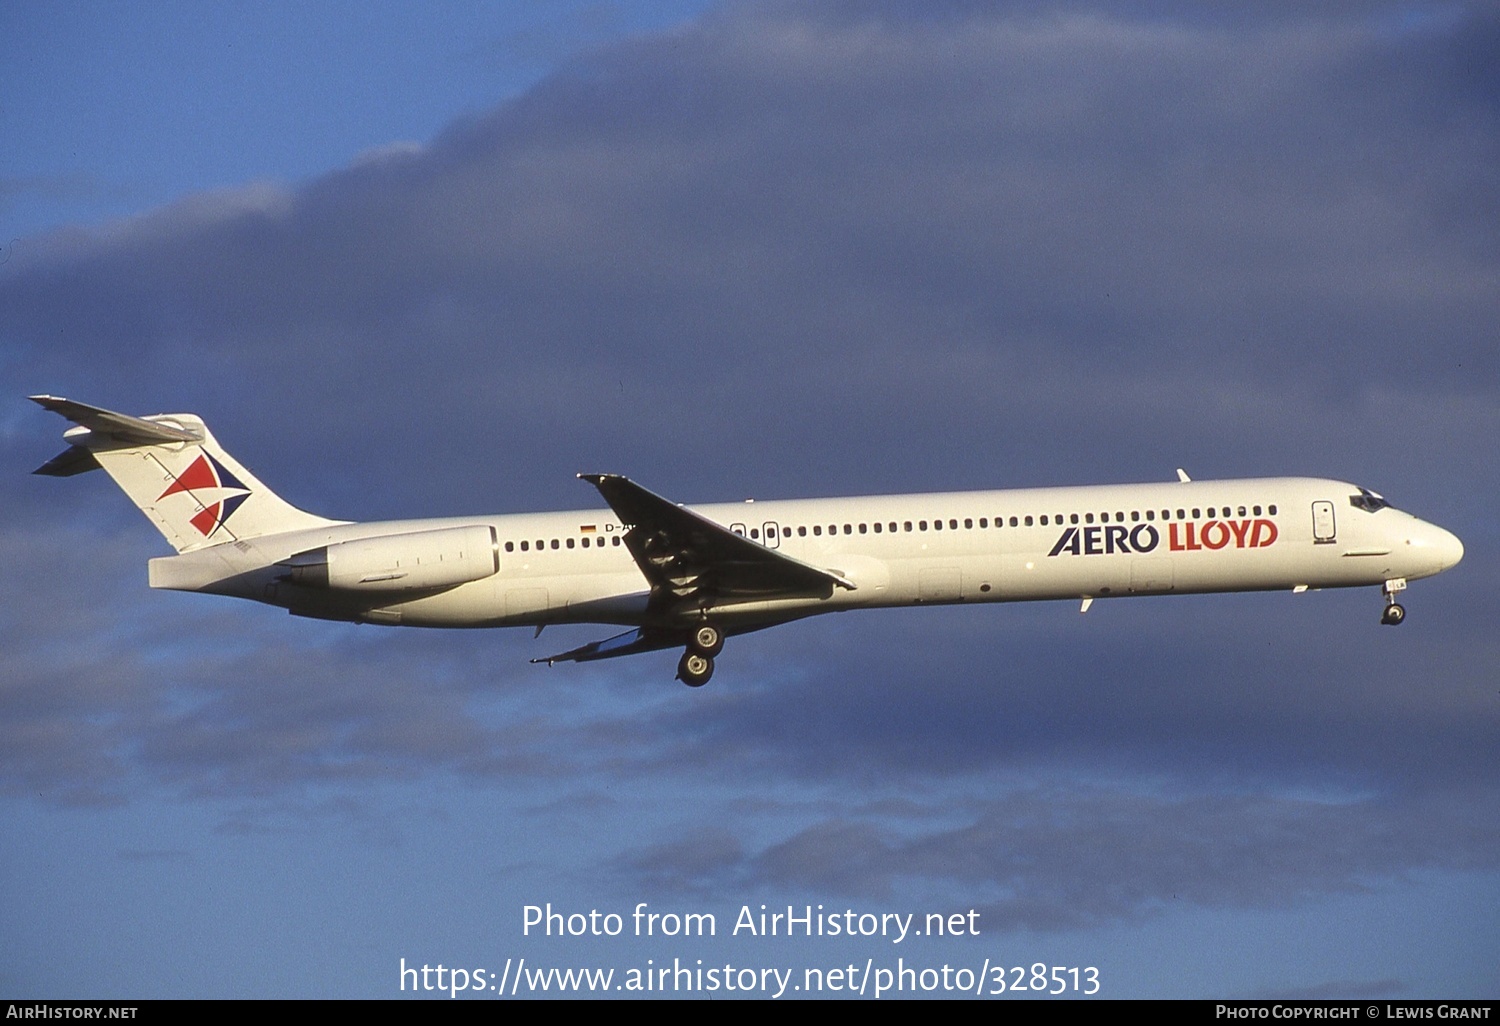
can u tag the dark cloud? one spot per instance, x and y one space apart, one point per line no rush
897 228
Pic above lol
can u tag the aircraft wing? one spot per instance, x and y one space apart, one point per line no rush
690 560
637 639
640 639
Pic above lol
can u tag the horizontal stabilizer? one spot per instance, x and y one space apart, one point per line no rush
69 462
114 430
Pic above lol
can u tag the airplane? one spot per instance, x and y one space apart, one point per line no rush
688 577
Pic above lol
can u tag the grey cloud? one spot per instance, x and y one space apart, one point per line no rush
1339 989
1060 859
1275 688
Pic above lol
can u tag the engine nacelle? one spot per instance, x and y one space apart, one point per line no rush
419 561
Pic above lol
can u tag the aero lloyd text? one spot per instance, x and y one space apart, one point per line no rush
1108 539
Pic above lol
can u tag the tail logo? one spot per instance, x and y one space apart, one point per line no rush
206 481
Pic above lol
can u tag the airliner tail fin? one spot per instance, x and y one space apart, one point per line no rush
176 473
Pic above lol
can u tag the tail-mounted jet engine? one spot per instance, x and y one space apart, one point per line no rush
419 561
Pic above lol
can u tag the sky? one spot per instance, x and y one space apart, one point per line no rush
425 261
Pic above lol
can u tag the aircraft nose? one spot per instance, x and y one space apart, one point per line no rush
1442 547
1450 550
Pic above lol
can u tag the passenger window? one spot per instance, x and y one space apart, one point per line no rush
1271 509
801 532
861 528
1088 518
984 522
755 533
1015 522
525 546
1028 521
1197 513
937 525
818 530
893 527
1135 515
1073 519
1257 510
1044 520
968 523
1150 514
510 546
554 543
570 543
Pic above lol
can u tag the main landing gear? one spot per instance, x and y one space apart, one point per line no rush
697 664
1394 613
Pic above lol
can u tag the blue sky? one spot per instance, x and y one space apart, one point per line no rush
111 111
434 261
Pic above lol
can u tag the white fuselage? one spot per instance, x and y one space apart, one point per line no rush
993 546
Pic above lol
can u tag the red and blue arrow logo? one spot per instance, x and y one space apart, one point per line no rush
205 477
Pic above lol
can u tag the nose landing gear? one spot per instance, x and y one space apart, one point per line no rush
1394 613
697 664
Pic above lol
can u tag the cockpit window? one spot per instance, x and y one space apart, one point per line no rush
1368 501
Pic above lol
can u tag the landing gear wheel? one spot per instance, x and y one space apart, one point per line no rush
1393 615
707 640
695 669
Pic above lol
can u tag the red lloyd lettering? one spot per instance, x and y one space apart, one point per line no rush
1217 534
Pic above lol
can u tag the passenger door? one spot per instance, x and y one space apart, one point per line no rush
1324 527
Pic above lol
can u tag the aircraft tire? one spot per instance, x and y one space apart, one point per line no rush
695 669
707 640
1394 615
